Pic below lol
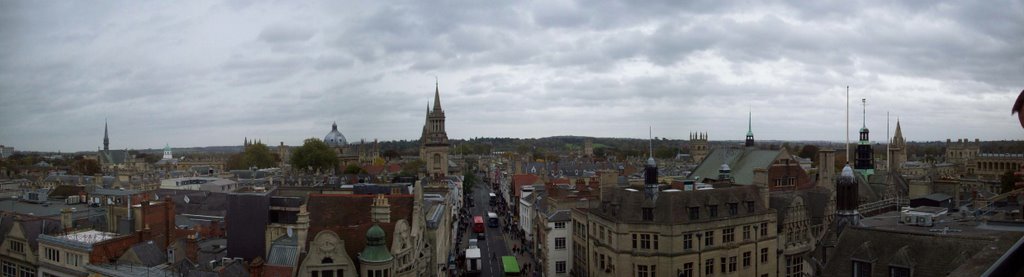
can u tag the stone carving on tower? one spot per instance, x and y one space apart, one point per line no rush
434 141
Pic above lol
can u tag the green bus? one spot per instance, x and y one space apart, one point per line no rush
510 265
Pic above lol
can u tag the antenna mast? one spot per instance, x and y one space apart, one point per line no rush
847 124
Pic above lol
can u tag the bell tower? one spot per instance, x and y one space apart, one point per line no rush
434 141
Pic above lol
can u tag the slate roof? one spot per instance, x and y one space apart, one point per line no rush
741 162
815 203
284 251
149 254
34 227
672 207
925 254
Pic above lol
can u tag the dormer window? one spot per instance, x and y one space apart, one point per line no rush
733 208
694 213
713 211
648 214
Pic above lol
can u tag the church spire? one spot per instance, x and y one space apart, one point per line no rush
750 130
106 137
437 97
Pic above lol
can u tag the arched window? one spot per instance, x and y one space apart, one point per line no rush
327 260
437 161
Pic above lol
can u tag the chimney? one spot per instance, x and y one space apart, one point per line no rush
66 222
761 181
609 179
827 168
192 248
381 210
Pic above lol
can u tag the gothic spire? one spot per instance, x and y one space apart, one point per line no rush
106 138
437 97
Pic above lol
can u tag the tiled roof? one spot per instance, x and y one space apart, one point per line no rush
349 217
149 254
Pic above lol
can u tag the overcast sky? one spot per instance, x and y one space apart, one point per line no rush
203 74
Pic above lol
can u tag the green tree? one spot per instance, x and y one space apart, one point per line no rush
809 151
353 169
468 182
86 166
314 155
412 168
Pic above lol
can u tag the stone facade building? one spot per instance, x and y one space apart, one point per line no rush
721 232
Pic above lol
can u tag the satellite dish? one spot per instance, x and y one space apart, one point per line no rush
186 199
290 231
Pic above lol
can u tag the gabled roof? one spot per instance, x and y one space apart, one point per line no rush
741 163
149 254
924 254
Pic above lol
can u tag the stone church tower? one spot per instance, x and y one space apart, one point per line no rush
434 147
699 146
897 149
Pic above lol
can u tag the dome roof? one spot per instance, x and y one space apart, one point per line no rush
650 161
375 233
847 171
375 250
335 138
724 168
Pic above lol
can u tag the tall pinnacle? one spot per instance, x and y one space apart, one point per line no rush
437 98
106 137
750 130
864 104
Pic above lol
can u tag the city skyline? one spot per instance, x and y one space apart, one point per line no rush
209 74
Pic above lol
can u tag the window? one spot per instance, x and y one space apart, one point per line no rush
746 232
732 264
713 211
750 206
687 241
646 241
52 254
709 238
9 269
694 213
559 243
764 229
560 267
17 247
764 255
687 270
648 214
723 265
27 271
727 235
733 208
72 259
559 225
861 269
709 266
746 259
644 271
795 266
899 271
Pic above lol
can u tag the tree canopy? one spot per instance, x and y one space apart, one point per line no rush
314 155
255 155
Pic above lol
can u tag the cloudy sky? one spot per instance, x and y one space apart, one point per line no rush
202 73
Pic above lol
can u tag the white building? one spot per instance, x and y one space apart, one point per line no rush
557 256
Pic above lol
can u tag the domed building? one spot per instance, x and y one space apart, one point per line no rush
375 260
335 138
